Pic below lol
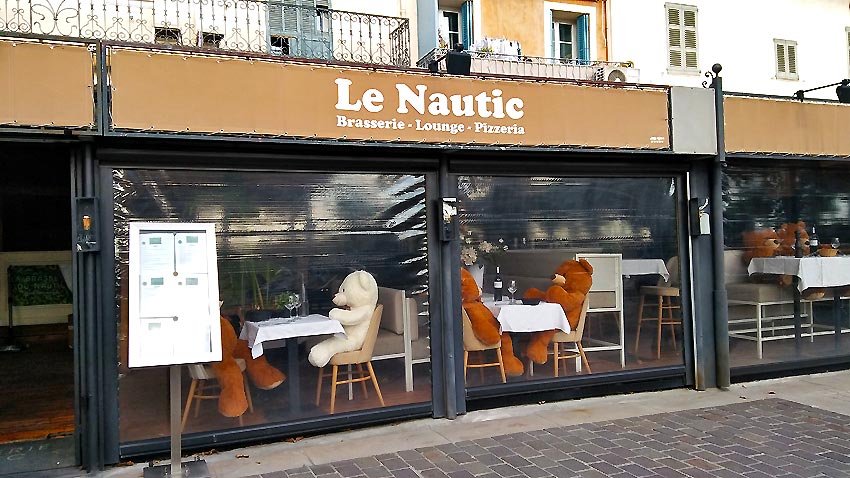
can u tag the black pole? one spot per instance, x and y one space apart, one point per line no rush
721 313
798 325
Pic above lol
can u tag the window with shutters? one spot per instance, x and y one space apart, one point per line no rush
682 38
786 59
569 34
455 23
300 27
564 41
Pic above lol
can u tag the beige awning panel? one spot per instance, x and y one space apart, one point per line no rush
178 92
758 125
46 85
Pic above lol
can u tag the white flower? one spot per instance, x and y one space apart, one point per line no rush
468 255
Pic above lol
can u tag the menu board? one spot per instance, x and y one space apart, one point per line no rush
174 316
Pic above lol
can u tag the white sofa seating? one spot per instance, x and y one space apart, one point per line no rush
760 312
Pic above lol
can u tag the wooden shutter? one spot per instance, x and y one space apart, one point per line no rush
582 37
786 59
682 37
466 24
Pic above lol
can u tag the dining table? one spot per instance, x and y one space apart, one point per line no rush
280 331
519 317
809 272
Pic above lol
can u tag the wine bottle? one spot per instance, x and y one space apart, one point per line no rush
814 243
497 285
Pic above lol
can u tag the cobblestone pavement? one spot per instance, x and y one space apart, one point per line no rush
754 439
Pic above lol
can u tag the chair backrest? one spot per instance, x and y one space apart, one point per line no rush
470 341
585 307
606 292
576 334
372 333
400 311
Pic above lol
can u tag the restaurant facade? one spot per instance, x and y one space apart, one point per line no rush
312 170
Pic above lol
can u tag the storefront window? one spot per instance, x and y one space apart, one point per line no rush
519 231
764 207
278 235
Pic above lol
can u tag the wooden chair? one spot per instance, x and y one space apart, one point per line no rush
664 298
205 385
472 344
354 357
573 337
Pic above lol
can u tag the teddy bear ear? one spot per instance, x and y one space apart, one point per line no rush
366 280
801 224
586 265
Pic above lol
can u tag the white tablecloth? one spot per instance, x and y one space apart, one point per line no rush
812 271
283 328
634 267
529 318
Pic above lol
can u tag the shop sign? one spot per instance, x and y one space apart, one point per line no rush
298 100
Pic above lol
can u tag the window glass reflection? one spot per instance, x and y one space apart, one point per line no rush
286 243
764 208
517 233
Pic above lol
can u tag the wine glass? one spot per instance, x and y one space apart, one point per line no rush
292 302
512 290
835 243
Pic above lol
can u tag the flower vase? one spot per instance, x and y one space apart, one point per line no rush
477 271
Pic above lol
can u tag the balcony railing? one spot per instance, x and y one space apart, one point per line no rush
488 63
275 27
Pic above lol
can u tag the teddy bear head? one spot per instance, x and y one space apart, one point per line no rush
357 289
760 243
786 238
574 276
470 292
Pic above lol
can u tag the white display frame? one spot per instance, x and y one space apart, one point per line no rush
158 339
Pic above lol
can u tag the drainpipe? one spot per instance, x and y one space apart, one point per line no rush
721 313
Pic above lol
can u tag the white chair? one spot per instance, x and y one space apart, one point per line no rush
204 382
606 295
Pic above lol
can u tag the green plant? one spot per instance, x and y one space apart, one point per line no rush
280 300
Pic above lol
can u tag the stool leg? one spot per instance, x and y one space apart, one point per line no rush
660 317
363 383
465 363
319 386
501 365
584 357
375 382
640 320
333 387
557 358
189 403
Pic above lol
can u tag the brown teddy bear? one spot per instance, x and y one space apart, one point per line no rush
786 248
760 243
484 324
786 238
570 285
232 402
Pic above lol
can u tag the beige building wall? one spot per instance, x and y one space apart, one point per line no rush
525 21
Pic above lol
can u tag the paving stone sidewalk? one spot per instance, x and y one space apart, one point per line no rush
754 439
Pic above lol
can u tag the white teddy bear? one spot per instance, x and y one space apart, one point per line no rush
358 293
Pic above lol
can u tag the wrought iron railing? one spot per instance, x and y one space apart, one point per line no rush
276 27
532 66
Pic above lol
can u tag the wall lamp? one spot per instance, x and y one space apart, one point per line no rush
842 90
458 62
